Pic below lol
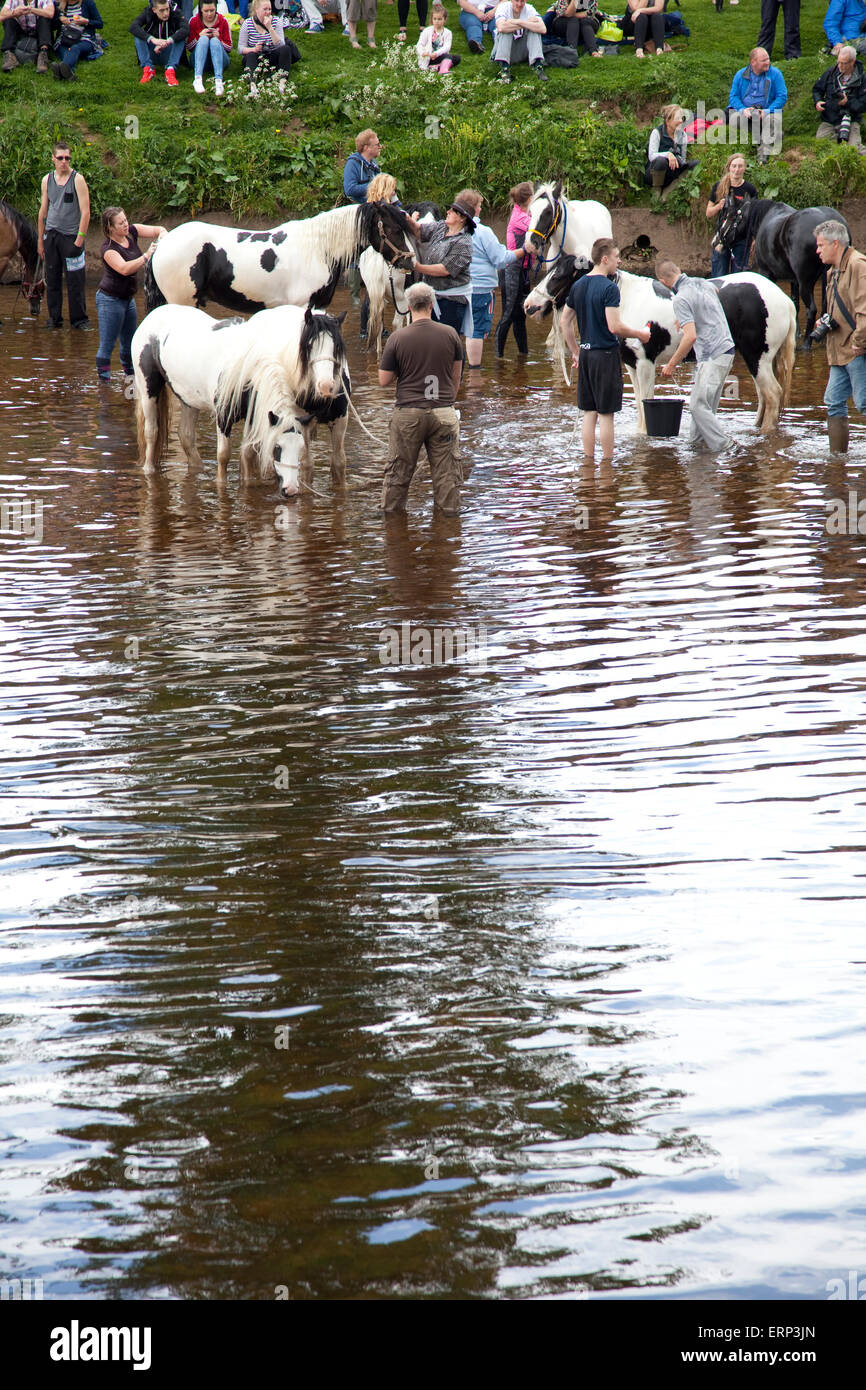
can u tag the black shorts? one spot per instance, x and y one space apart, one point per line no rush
599 380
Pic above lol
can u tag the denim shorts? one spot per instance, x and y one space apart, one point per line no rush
482 313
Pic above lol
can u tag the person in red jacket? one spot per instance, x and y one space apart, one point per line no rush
209 41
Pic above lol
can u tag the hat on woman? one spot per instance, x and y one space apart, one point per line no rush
468 217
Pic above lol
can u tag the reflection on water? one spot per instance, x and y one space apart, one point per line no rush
536 976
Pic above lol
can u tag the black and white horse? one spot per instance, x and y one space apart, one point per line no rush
565 228
784 249
296 263
276 372
760 315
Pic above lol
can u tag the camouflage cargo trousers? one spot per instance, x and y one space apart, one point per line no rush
436 429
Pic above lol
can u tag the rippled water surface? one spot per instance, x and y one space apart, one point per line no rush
535 976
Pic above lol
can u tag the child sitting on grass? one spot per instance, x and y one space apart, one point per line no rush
434 45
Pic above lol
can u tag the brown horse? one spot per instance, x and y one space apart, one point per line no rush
18 237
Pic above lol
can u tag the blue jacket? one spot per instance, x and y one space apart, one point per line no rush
777 93
843 19
488 258
356 177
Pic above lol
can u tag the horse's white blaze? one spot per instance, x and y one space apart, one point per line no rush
287 461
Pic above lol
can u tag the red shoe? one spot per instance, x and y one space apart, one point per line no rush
171 77
147 75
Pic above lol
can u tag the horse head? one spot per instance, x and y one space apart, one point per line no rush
287 453
321 354
545 214
388 231
553 289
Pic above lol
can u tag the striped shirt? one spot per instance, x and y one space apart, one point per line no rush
250 34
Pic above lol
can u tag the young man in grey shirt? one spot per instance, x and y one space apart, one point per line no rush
701 317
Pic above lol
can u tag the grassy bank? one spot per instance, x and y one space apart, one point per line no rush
158 151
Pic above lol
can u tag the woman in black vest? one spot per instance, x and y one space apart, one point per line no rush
115 299
666 154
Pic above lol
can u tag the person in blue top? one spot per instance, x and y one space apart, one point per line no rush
593 304
361 166
843 20
758 93
488 258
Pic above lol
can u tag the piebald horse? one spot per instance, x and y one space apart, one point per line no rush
564 228
277 372
296 263
761 318
384 282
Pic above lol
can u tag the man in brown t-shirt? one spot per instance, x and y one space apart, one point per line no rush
425 359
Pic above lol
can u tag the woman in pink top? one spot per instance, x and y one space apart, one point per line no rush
514 279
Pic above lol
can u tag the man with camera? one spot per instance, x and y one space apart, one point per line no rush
842 328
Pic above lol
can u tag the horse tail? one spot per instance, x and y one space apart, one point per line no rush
153 295
784 363
163 418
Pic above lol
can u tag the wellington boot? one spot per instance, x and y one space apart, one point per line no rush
837 428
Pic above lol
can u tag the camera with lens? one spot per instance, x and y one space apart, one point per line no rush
824 325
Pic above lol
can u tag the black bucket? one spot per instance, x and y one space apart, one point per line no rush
663 415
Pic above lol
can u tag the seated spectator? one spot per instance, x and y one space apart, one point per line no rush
476 20
299 14
840 98
575 22
758 93
519 27
642 18
159 33
23 22
727 201
843 21
209 41
434 45
261 40
79 20
667 150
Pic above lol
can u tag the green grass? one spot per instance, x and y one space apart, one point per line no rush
158 151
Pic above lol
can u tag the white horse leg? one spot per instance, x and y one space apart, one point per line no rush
247 460
149 411
186 433
769 396
224 451
338 451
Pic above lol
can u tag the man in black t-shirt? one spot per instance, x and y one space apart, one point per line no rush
593 304
425 359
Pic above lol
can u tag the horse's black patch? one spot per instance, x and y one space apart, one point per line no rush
260 236
153 295
150 368
420 210
244 236
278 453
628 355
225 418
278 238
659 339
226 323
323 296
394 227
212 275
561 279
747 317
273 420
268 259
662 290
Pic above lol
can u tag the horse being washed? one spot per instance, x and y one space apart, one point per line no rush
761 318
277 372
570 228
18 237
784 249
295 263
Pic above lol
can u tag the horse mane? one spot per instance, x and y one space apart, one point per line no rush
335 234
25 231
756 210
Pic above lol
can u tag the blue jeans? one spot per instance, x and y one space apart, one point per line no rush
240 7
482 312
845 382
70 54
213 49
166 58
730 261
118 318
473 28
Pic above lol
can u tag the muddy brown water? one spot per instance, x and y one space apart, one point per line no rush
534 975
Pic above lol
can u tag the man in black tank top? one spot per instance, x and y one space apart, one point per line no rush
64 216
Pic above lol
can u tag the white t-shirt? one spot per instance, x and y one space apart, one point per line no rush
505 11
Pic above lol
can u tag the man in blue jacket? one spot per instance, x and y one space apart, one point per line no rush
843 20
361 166
758 93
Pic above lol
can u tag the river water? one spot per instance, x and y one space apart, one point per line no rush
535 975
